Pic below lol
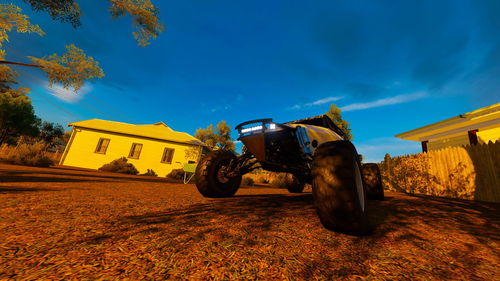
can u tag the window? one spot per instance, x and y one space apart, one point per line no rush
102 146
168 155
135 151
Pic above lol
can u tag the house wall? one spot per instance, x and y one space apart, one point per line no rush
490 134
81 152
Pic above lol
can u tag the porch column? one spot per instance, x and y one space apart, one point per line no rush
424 146
473 137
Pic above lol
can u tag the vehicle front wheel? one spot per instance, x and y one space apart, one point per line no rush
211 175
337 185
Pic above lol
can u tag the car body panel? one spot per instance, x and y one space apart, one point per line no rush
317 135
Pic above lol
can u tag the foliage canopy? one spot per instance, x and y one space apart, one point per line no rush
61 10
335 114
145 18
17 116
74 67
218 137
12 19
145 15
71 69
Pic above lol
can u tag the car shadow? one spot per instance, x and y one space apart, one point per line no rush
258 212
251 220
66 177
16 189
21 177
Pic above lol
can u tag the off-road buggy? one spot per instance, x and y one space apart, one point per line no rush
315 151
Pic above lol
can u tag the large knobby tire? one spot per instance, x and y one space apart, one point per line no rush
296 186
210 180
337 187
373 181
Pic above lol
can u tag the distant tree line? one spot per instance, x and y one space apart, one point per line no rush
18 123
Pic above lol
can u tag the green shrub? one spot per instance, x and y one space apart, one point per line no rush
248 181
281 180
31 155
150 172
119 165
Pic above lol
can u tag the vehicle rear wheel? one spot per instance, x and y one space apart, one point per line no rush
373 181
211 179
338 192
296 186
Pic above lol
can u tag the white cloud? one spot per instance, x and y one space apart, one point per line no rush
68 95
385 101
316 102
220 108
323 101
227 105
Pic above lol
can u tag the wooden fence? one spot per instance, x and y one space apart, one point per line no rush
469 172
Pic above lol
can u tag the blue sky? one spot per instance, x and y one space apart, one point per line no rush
392 66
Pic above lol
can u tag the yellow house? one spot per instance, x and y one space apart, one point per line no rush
478 126
96 142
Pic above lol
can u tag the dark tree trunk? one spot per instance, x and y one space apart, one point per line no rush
3 135
20 63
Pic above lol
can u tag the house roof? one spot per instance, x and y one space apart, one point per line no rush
488 116
158 130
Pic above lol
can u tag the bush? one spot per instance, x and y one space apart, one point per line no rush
248 180
31 155
150 172
448 172
264 180
259 176
119 165
281 180
176 174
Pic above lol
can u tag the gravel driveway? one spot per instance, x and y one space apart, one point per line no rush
62 223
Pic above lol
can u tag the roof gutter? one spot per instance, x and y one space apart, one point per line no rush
139 136
479 113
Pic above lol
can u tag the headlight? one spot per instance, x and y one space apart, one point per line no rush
251 129
264 126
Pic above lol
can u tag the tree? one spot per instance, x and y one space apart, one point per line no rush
17 116
192 153
74 67
335 114
65 137
145 15
61 10
224 139
207 136
50 132
219 138
71 69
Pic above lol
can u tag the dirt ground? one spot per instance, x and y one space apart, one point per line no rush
62 223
